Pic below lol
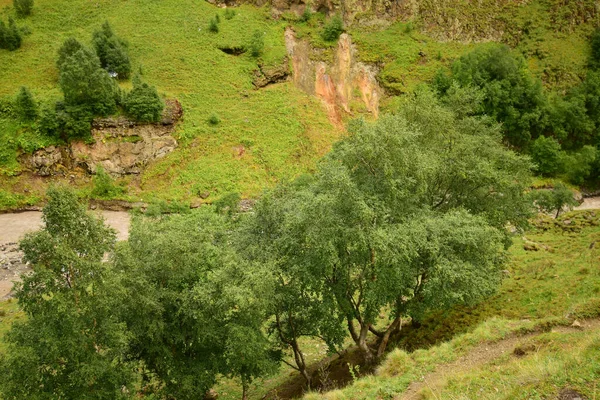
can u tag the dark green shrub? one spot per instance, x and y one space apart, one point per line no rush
25 105
23 7
547 155
306 15
213 25
578 165
10 37
48 122
333 29
229 13
214 120
511 95
69 47
74 121
85 84
256 44
112 52
143 102
104 186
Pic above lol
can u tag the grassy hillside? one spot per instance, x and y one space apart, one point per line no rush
282 130
170 44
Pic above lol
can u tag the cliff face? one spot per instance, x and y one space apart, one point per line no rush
338 83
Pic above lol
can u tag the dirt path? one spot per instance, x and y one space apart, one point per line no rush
476 357
14 226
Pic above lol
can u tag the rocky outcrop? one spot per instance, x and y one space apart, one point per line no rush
264 76
120 146
337 83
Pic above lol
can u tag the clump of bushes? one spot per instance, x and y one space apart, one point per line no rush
112 52
333 29
143 102
229 13
23 7
10 37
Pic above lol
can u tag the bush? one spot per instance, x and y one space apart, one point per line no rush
511 95
547 155
48 123
214 120
256 44
112 52
84 83
578 165
74 121
229 13
555 200
143 102
306 15
333 29
213 25
10 37
23 7
104 187
69 47
25 105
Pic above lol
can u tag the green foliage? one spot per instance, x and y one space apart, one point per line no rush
256 44
23 7
333 29
595 49
71 343
84 83
214 120
578 164
229 13
394 236
104 186
143 102
546 153
228 204
48 123
68 49
511 95
213 25
555 200
74 121
25 105
10 37
112 51
191 304
306 14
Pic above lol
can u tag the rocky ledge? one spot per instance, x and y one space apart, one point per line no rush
121 146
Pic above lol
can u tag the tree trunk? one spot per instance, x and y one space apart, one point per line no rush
300 362
396 325
244 391
362 343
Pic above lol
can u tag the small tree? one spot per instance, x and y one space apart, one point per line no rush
25 105
10 37
84 83
68 49
23 7
257 44
112 51
547 154
557 199
143 102
213 25
333 29
48 123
